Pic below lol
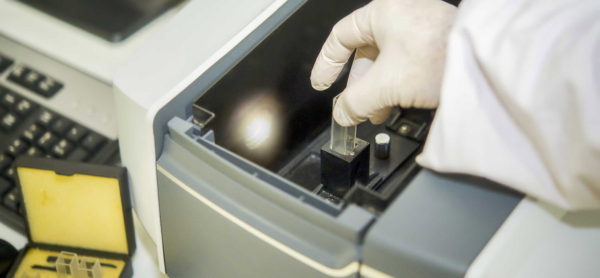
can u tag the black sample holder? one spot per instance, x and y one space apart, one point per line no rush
340 172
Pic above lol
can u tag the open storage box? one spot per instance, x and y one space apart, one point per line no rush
78 208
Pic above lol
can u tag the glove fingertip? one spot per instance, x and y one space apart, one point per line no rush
320 87
317 82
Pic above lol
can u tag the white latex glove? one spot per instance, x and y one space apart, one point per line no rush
400 52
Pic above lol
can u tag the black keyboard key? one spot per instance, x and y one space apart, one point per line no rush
32 79
2 111
43 85
18 73
61 126
32 132
93 141
24 107
9 100
12 199
76 133
46 118
48 87
9 122
33 151
47 140
4 63
5 161
9 173
17 147
62 148
5 185
78 155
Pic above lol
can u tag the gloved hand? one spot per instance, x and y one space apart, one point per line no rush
400 53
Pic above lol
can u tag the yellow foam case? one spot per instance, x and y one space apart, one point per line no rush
75 207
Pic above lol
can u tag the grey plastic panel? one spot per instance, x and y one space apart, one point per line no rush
182 132
437 226
212 246
197 239
271 188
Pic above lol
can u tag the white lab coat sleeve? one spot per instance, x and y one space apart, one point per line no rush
520 100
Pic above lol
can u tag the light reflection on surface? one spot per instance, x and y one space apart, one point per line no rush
257 128
257 131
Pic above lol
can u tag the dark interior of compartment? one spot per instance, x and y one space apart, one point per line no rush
307 172
265 107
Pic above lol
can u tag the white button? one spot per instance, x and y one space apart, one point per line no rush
382 138
74 105
104 119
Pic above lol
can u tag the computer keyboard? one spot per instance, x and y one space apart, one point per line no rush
45 112
33 80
